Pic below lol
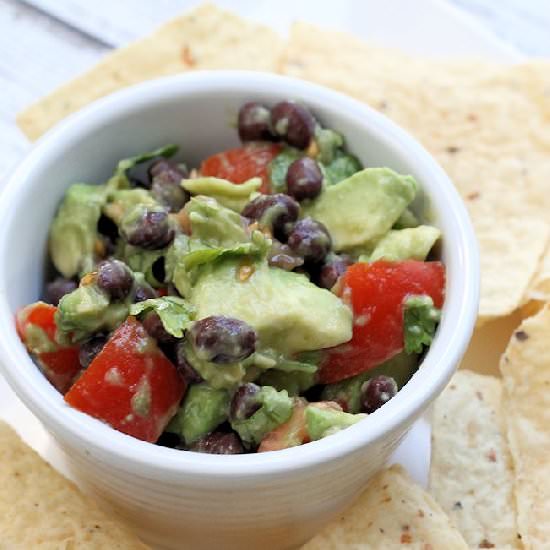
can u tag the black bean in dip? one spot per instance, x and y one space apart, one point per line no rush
219 443
304 179
245 401
310 239
222 339
376 392
90 348
115 278
151 230
293 123
273 211
254 122
55 290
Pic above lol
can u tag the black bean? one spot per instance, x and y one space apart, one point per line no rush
310 239
144 292
222 339
169 439
187 372
254 122
107 227
281 256
293 122
115 278
166 188
151 230
90 348
139 175
219 443
304 179
245 402
275 212
377 391
168 170
332 269
55 290
155 327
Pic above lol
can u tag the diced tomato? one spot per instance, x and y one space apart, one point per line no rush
377 293
242 163
130 384
293 432
36 327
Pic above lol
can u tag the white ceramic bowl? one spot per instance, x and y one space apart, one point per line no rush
177 499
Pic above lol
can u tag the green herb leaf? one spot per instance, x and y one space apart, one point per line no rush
420 321
175 313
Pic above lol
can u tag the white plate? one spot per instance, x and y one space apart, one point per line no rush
429 27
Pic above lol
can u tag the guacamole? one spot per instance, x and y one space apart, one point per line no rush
273 295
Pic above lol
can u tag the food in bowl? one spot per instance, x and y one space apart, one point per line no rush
275 294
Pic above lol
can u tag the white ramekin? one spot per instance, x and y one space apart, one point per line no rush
178 499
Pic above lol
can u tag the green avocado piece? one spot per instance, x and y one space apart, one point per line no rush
227 194
73 233
294 383
218 376
348 392
329 143
87 310
405 244
407 220
289 313
363 207
214 224
323 421
204 408
122 201
276 408
119 180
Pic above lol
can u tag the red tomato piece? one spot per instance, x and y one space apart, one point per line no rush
377 293
36 327
242 163
130 384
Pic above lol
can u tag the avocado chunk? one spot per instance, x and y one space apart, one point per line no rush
405 244
407 219
289 313
293 382
73 233
123 201
204 409
225 376
323 420
226 193
363 207
276 409
87 310
143 261
347 393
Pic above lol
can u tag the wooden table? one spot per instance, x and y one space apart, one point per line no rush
45 42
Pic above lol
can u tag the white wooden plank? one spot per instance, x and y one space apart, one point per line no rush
36 55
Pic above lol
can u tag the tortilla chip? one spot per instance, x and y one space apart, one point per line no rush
487 124
205 38
525 369
471 473
538 292
517 247
393 512
39 508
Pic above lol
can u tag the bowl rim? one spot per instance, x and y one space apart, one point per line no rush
162 463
